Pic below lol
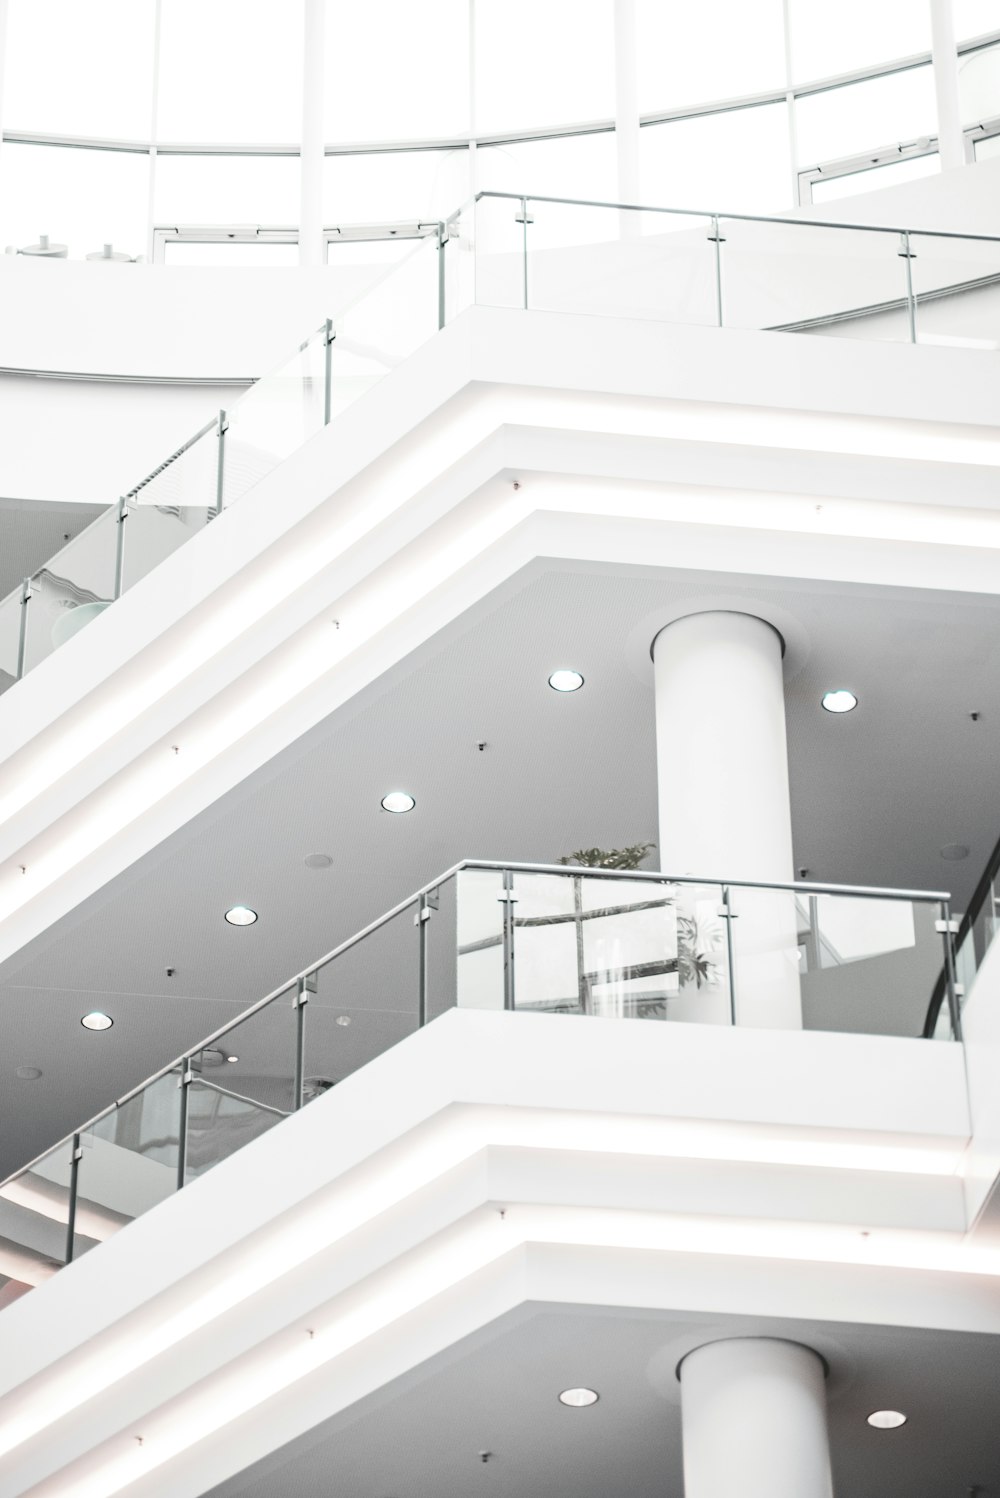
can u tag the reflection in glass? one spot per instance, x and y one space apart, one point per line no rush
128 1162
34 1218
75 587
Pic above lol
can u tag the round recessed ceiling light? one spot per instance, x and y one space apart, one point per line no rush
317 860
954 852
241 915
565 681
398 801
29 1073
95 1020
887 1419
232 1058
343 1019
839 701
578 1399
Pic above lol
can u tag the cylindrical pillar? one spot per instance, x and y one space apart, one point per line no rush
311 246
724 810
754 1421
951 141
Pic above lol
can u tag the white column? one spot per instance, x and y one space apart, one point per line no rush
627 112
311 202
754 1421
724 811
951 143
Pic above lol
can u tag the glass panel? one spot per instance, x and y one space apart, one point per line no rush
34 1218
957 286
499 240
11 611
385 326
830 189
189 478
862 116
986 148
365 1001
460 263
442 949
230 71
681 61
256 252
619 263
737 162
979 84
80 198
855 35
568 166
479 939
834 962
275 417
417 88
96 80
531 68
393 186
846 282
72 589
243 1085
154 532
128 1162
228 190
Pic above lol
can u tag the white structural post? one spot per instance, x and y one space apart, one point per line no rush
311 203
724 810
627 113
754 1421
951 142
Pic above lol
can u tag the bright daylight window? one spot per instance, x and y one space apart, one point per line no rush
534 95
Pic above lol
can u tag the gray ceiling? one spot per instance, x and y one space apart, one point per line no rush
421 1436
875 795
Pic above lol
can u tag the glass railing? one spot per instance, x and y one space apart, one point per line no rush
538 940
540 253
973 935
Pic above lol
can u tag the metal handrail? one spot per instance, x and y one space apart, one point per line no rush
651 876
750 218
968 920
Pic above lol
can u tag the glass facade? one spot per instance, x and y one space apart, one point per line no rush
190 112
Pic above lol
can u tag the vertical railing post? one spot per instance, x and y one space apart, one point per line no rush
728 917
578 931
442 242
716 237
305 986
508 897
121 516
76 1155
911 306
524 247
947 928
182 1123
220 464
329 336
421 916
22 633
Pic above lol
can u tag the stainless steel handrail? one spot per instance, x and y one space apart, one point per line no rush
651 876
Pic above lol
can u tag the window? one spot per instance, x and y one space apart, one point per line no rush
394 185
979 85
975 17
569 166
230 71
536 66
689 54
229 253
78 68
82 198
227 189
830 189
736 162
831 39
861 116
396 70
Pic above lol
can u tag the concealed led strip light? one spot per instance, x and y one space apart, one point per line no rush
474 1245
460 1134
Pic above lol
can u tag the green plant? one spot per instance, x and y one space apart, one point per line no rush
610 858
